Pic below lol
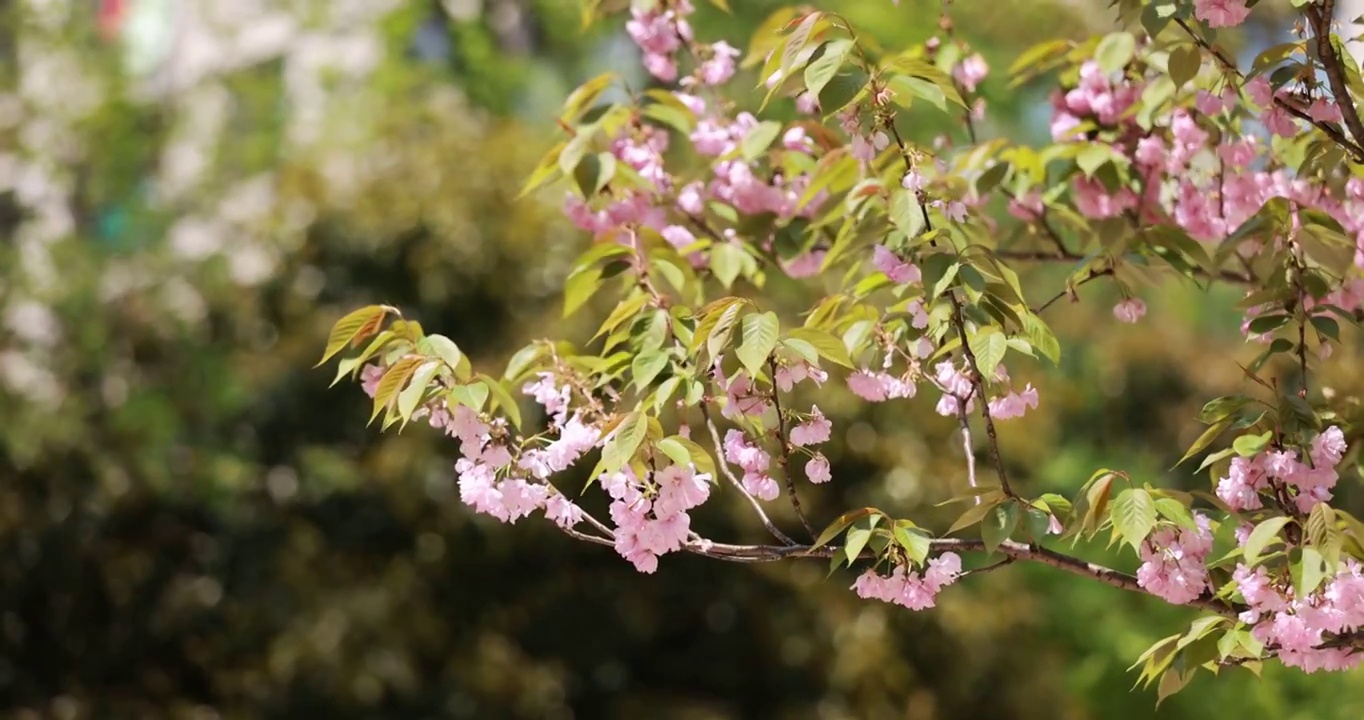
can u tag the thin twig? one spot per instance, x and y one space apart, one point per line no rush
977 382
785 456
1070 288
729 474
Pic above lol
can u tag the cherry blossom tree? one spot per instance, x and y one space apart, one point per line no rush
705 202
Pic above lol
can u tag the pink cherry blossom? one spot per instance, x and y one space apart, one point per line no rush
814 431
971 71
1221 13
1130 310
720 67
897 270
1173 562
907 588
817 469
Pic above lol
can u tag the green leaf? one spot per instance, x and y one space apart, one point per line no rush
1095 156
699 456
1308 572
412 395
988 345
354 327
646 366
1262 537
998 525
759 338
1134 516
1251 445
858 536
920 88
675 450
1115 51
726 261
824 64
841 522
1223 407
906 212
1176 512
1328 327
1267 323
976 513
1172 682
503 399
585 96
1185 61
829 347
1205 439
913 540
471 396
758 139
629 435
1041 338
580 287
394 379
522 361
1324 534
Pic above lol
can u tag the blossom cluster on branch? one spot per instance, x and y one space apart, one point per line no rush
1167 160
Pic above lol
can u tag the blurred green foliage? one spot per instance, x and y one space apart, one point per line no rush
193 525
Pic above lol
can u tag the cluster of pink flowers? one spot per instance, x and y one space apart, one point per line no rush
1096 97
1209 200
651 518
814 431
742 396
494 481
1298 627
880 386
792 374
660 32
908 588
899 271
754 461
958 390
1174 561
1307 483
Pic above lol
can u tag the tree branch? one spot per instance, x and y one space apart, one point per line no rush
1012 549
1319 16
1354 148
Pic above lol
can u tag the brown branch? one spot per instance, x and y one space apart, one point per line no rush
785 457
1354 148
723 465
1070 288
1319 16
1012 549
